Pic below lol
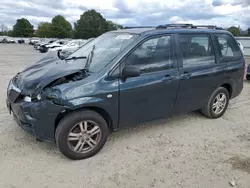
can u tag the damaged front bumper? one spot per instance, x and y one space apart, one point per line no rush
37 118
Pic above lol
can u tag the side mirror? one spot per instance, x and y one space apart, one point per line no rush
61 55
131 71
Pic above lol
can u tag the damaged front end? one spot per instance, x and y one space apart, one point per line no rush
33 99
50 92
48 72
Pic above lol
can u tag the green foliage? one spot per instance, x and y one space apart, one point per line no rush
234 30
3 29
44 30
7 33
248 31
60 27
23 28
113 26
10 33
91 24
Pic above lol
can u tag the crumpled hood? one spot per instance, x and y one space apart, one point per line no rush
38 75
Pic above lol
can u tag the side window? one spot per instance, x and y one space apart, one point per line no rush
152 55
197 50
228 48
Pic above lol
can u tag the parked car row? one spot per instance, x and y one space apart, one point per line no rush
64 46
7 40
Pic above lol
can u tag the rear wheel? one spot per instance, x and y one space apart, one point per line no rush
248 77
217 103
81 134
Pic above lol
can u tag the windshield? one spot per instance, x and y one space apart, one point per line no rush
107 47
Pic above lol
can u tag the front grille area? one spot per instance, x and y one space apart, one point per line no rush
19 98
13 92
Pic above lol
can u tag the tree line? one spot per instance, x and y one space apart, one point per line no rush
237 31
91 24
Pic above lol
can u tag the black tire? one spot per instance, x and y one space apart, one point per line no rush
208 109
248 77
68 122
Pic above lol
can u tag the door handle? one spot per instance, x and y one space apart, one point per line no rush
168 79
186 75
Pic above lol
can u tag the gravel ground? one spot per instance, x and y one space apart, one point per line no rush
187 151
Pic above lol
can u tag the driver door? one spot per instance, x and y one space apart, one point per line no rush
151 95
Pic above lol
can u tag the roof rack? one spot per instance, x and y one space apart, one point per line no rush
191 26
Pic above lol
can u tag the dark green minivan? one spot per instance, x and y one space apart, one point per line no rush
123 78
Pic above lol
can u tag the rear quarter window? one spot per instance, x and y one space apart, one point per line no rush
227 47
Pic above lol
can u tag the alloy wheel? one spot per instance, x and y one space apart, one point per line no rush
84 136
219 103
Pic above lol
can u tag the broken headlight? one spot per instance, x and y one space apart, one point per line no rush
38 97
27 99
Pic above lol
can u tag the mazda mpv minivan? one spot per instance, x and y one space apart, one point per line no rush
123 78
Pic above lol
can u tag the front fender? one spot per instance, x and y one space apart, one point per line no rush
109 106
85 101
88 92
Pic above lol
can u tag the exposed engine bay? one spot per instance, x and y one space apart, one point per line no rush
69 78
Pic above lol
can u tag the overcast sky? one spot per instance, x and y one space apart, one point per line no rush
132 12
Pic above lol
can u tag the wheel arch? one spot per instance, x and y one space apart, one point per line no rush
228 87
96 109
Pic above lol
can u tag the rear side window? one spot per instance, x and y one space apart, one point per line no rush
228 47
196 50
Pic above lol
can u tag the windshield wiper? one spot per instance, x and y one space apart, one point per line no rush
74 58
89 59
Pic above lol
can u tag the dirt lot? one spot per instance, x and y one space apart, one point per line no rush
189 151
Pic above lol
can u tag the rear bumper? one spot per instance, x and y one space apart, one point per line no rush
237 88
248 69
36 118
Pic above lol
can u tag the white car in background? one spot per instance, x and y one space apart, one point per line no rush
73 44
58 43
65 52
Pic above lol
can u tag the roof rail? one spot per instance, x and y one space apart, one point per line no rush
191 26
174 25
204 26
138 27
207 26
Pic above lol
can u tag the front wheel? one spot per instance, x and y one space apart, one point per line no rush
81 134
217 103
